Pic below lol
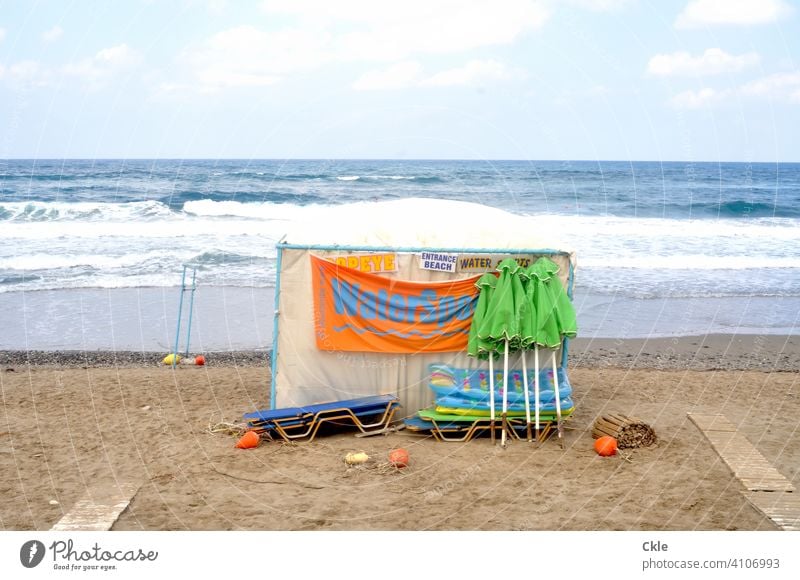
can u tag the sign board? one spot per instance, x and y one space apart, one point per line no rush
385 262
489 262
438 261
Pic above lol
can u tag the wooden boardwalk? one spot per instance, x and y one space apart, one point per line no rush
782 508
767 489
98 509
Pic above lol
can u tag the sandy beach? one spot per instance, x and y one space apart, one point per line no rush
72 421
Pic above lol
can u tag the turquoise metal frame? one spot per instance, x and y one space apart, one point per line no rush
180 313
274 360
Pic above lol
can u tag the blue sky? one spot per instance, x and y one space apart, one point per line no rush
714 80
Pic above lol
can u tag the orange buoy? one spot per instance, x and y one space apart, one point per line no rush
398 458
199 360
248 440
605 446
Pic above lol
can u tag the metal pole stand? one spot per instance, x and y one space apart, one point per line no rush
185 289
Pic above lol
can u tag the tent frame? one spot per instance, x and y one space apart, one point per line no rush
281 246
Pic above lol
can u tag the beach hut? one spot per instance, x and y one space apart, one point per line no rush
369 295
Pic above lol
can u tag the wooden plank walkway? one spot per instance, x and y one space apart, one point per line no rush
747 464
98 509
712 422
767 489
781 507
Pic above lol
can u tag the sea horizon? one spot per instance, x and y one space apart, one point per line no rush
402 159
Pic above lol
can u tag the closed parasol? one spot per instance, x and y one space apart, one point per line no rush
555 319
501 325
483 348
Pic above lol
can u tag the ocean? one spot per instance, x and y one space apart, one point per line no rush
93 250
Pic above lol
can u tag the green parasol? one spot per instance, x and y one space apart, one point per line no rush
555 315
483 348
555 319
501 324
477 347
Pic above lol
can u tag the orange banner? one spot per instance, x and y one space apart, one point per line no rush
358 311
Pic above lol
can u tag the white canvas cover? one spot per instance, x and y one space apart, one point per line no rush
303 374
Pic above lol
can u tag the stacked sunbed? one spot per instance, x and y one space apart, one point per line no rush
364 413
462 408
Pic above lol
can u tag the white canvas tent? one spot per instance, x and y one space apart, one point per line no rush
303 374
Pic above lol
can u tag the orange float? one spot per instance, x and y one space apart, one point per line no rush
399 458
605 446
248 440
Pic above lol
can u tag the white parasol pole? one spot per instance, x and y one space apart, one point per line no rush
558 397
505 394
491 393
536 385
527 395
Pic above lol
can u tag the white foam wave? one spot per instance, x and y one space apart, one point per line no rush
254 210
664 228
264 278
575 226
375 177
692 262
145 243
15 233
42 261
572 225
40 211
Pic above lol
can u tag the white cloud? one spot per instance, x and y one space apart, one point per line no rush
2 34
314 34
598 91
601 5
409 74
442 28
217 6
53 34
398 76
365 30
108 62
118 56
27 73
713 61
780 86
25 69
215 78
474 72
697 99
246 56
700 13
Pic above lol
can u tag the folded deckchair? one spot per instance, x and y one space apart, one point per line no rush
455 427
290 423
416 424
449 428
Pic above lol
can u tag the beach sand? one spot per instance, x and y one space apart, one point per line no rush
72 422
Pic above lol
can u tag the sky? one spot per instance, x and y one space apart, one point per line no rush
697 80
